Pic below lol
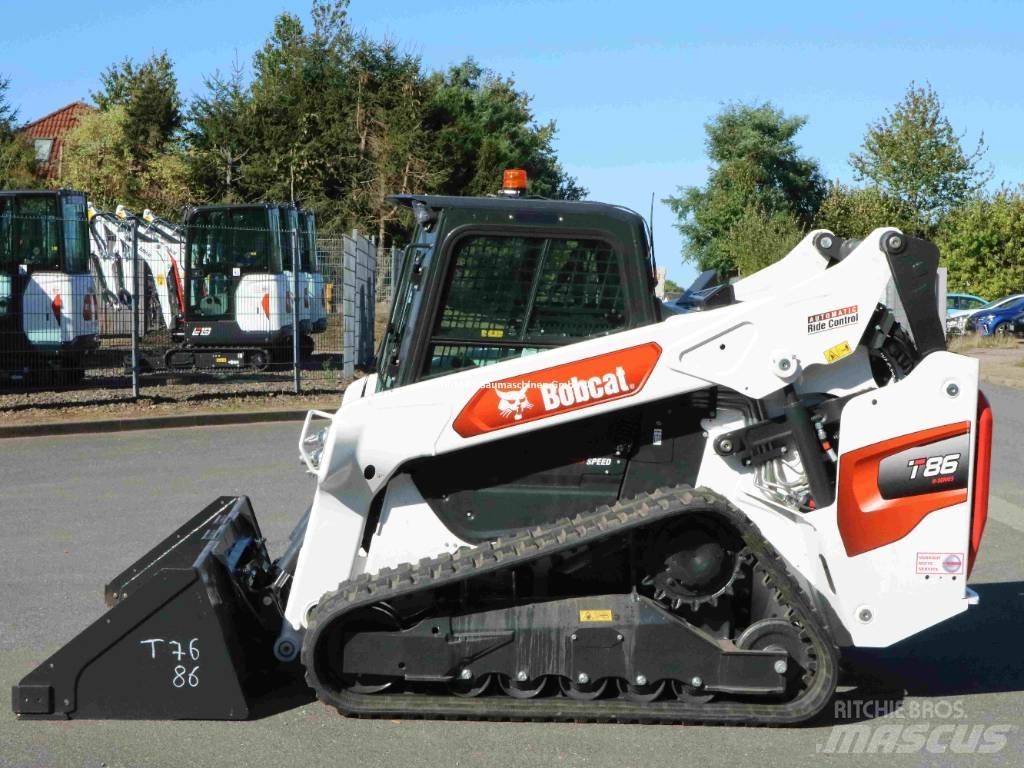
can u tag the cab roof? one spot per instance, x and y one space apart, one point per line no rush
532 204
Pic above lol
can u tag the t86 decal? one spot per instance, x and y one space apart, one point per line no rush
559 389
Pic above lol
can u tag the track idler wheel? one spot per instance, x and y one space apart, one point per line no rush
470 688
780 635
690 694
642 694
522 689
586 691
378 617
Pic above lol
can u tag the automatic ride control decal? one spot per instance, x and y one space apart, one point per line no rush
559 389
832 319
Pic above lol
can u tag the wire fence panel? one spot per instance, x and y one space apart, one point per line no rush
115 300
48 309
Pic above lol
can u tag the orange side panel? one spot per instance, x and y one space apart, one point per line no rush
982 471
866 520
559 389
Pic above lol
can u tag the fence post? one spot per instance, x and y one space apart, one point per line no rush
348 316
136 292
295 311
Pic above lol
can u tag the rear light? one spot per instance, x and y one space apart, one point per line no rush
89 308
56 306
265 303
982 474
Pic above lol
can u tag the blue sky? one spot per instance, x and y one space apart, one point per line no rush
630 84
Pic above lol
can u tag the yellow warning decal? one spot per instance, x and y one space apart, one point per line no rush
492 333
838 352
595 615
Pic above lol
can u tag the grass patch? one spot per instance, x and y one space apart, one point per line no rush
967 342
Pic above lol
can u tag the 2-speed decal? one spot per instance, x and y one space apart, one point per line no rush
559 389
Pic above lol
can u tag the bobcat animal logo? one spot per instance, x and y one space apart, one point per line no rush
513 403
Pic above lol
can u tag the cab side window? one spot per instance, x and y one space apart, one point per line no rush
512 296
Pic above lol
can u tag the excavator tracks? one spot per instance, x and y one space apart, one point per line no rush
589 530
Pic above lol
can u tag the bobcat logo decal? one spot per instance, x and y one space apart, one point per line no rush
513 403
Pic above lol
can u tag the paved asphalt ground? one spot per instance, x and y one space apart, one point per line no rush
76 510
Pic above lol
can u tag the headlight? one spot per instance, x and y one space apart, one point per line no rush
314 445
312 441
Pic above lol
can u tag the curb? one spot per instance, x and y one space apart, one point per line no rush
149 422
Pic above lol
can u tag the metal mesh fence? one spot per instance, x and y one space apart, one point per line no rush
115 300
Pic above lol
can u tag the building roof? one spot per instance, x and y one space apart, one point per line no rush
55 126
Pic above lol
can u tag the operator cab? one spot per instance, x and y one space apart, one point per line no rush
47 306
487 279
238 303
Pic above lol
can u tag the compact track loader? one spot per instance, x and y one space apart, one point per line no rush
551 502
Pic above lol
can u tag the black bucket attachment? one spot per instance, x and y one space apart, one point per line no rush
186 637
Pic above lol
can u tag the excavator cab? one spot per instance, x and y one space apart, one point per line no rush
238 299
47 305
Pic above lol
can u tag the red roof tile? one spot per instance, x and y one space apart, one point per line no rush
55 126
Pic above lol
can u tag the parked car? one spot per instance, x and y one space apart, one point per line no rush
1018 327
963 304
997 317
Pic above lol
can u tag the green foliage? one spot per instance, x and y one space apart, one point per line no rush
219 137
758 180
759 238
148 92
339 121
98 158
914 155
982 244
853 212
480 124
16 156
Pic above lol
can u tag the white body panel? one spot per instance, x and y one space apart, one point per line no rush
793 318
42 324
263 303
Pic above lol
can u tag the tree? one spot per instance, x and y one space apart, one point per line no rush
757 178
480 124
759 238
98 158
148 92
17 160
338 121
914 156
982 244
853 212
220 137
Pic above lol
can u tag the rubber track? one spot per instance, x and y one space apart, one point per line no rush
606 521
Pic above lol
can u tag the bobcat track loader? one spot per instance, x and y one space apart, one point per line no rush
552 503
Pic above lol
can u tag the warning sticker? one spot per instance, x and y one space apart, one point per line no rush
595 615
838 352
941 563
